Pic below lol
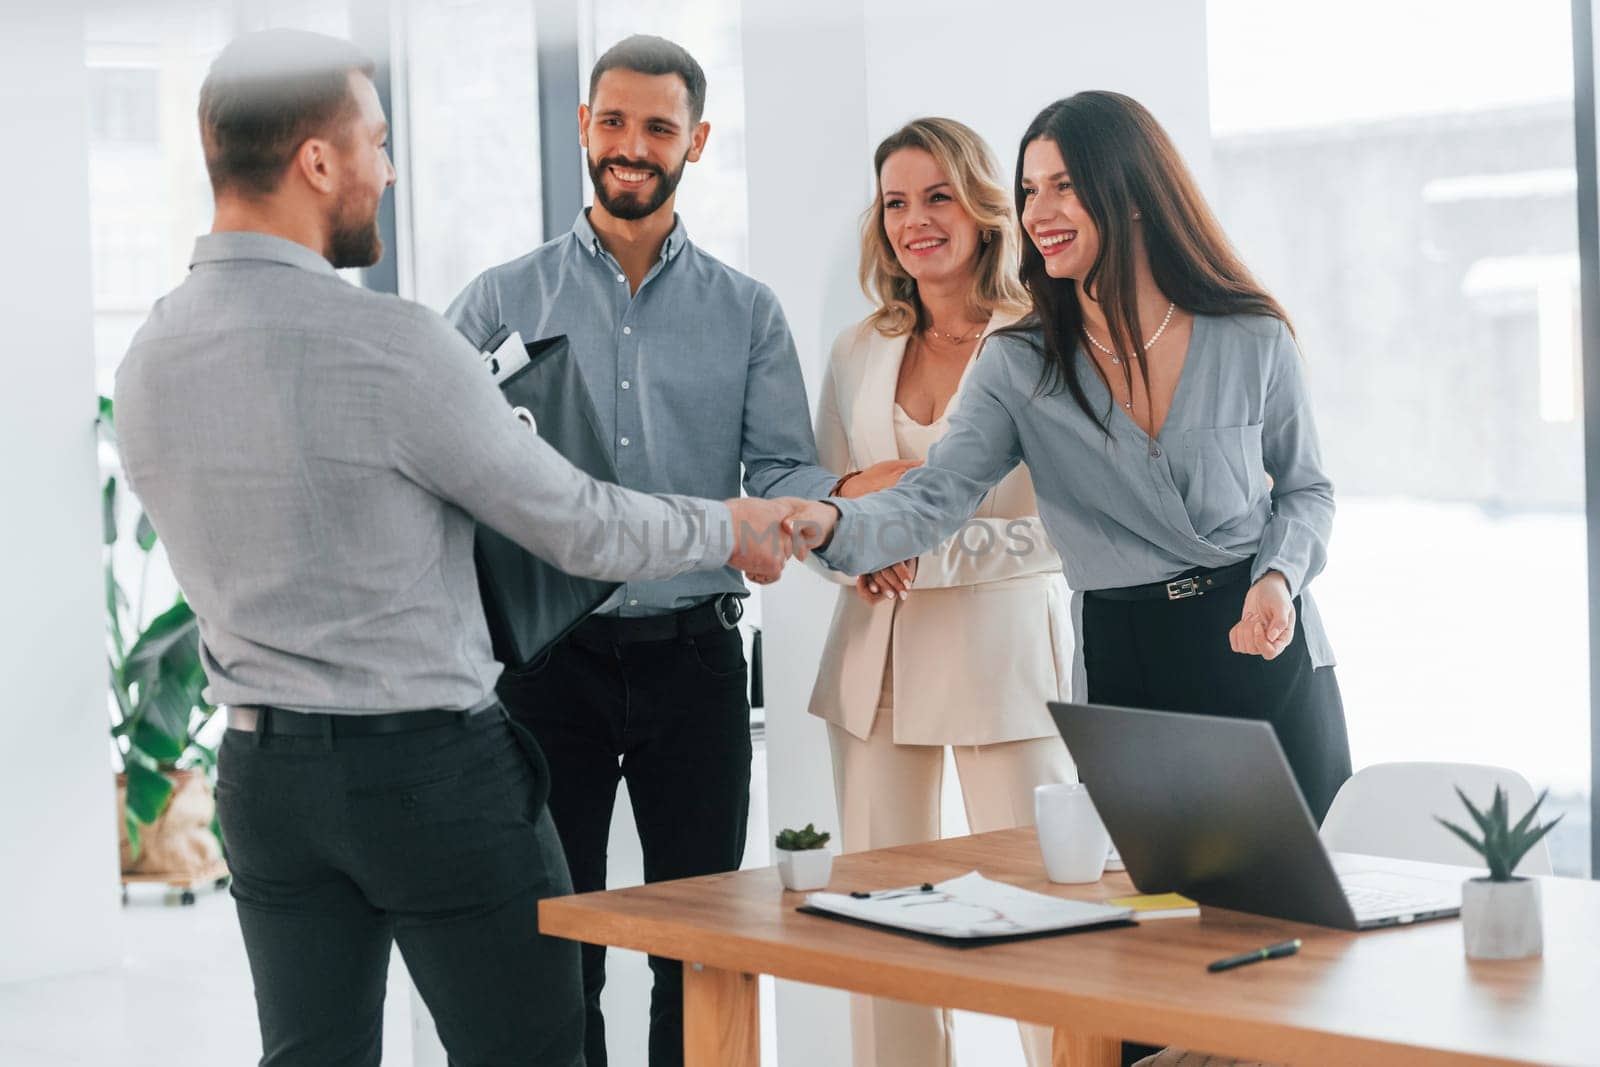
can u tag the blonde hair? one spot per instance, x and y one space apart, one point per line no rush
975 178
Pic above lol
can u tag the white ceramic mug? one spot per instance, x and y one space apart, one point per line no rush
1072 838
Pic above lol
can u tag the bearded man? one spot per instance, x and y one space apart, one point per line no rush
693 372
314 457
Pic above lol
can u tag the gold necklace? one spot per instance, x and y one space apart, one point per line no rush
955 339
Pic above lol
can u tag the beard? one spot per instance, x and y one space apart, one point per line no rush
631 206
353 238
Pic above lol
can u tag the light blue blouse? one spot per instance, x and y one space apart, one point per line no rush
1129 509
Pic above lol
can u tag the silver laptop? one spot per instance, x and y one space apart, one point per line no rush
1207 807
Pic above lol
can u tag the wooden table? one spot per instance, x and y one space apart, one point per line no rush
1405 996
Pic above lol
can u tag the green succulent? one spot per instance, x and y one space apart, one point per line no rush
1501 845
801 840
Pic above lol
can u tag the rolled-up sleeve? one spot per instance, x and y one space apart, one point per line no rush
932 501
453 434
1295 539
778 450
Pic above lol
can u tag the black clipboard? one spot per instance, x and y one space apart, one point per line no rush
965 942
529 604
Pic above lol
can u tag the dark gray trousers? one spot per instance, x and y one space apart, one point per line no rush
435 839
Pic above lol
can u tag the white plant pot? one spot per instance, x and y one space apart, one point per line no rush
806 868
1501 920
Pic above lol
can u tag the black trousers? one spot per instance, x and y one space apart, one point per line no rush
1174 656
671 717
435 839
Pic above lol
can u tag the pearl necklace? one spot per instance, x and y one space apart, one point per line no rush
1116 361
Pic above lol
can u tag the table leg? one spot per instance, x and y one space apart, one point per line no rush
1070 1048
721 1018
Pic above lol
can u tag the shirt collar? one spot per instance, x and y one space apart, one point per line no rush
248 244
589 241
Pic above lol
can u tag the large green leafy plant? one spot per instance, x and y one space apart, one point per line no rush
157 709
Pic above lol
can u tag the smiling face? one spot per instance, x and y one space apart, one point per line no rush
933 236
639 136
1056 222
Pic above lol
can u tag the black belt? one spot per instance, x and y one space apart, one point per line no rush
1192 584
714 616
269 720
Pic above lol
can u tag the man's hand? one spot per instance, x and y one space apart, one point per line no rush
878 476
1266 626
810 524
768 532
888 583
762 542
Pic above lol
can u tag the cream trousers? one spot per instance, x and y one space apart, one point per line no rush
888 795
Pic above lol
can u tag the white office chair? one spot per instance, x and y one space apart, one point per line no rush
1388 810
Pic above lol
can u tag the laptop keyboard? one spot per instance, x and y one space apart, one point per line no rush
1370 900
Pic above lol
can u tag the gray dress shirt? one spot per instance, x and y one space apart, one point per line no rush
1129 510
692 375
313 456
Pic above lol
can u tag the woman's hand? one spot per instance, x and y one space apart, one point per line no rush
888 583
1266 626
878 476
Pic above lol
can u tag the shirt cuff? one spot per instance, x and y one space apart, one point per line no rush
718 527
835 556
1278 556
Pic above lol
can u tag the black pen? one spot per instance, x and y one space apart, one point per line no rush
1271 952
890 894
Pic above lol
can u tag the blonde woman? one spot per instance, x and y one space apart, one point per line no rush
971 659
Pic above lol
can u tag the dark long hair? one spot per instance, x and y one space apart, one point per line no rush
1121 160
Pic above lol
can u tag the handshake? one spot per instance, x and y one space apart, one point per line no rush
766 533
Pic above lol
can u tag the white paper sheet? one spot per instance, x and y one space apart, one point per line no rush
968 906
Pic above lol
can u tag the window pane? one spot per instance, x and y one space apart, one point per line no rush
472 107
148 194
1418 220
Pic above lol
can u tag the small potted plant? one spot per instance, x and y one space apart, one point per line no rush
1500 914
804 861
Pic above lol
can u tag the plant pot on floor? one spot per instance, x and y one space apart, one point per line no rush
1502 920
180 843
802 869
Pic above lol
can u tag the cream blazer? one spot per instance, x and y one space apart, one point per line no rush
985 638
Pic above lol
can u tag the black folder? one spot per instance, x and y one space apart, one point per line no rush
530 604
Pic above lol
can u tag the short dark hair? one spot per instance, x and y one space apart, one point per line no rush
644 54
265 95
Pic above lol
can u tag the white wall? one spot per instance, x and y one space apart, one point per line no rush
823 83
58 880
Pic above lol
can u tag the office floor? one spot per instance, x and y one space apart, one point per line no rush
182 997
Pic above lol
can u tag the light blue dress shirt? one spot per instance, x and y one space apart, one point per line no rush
1128 509
692 375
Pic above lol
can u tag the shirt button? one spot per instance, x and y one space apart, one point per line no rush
627 329
627 384
622 277
1155 452
624 442
633 603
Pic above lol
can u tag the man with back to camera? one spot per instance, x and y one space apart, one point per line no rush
313 455
693 371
